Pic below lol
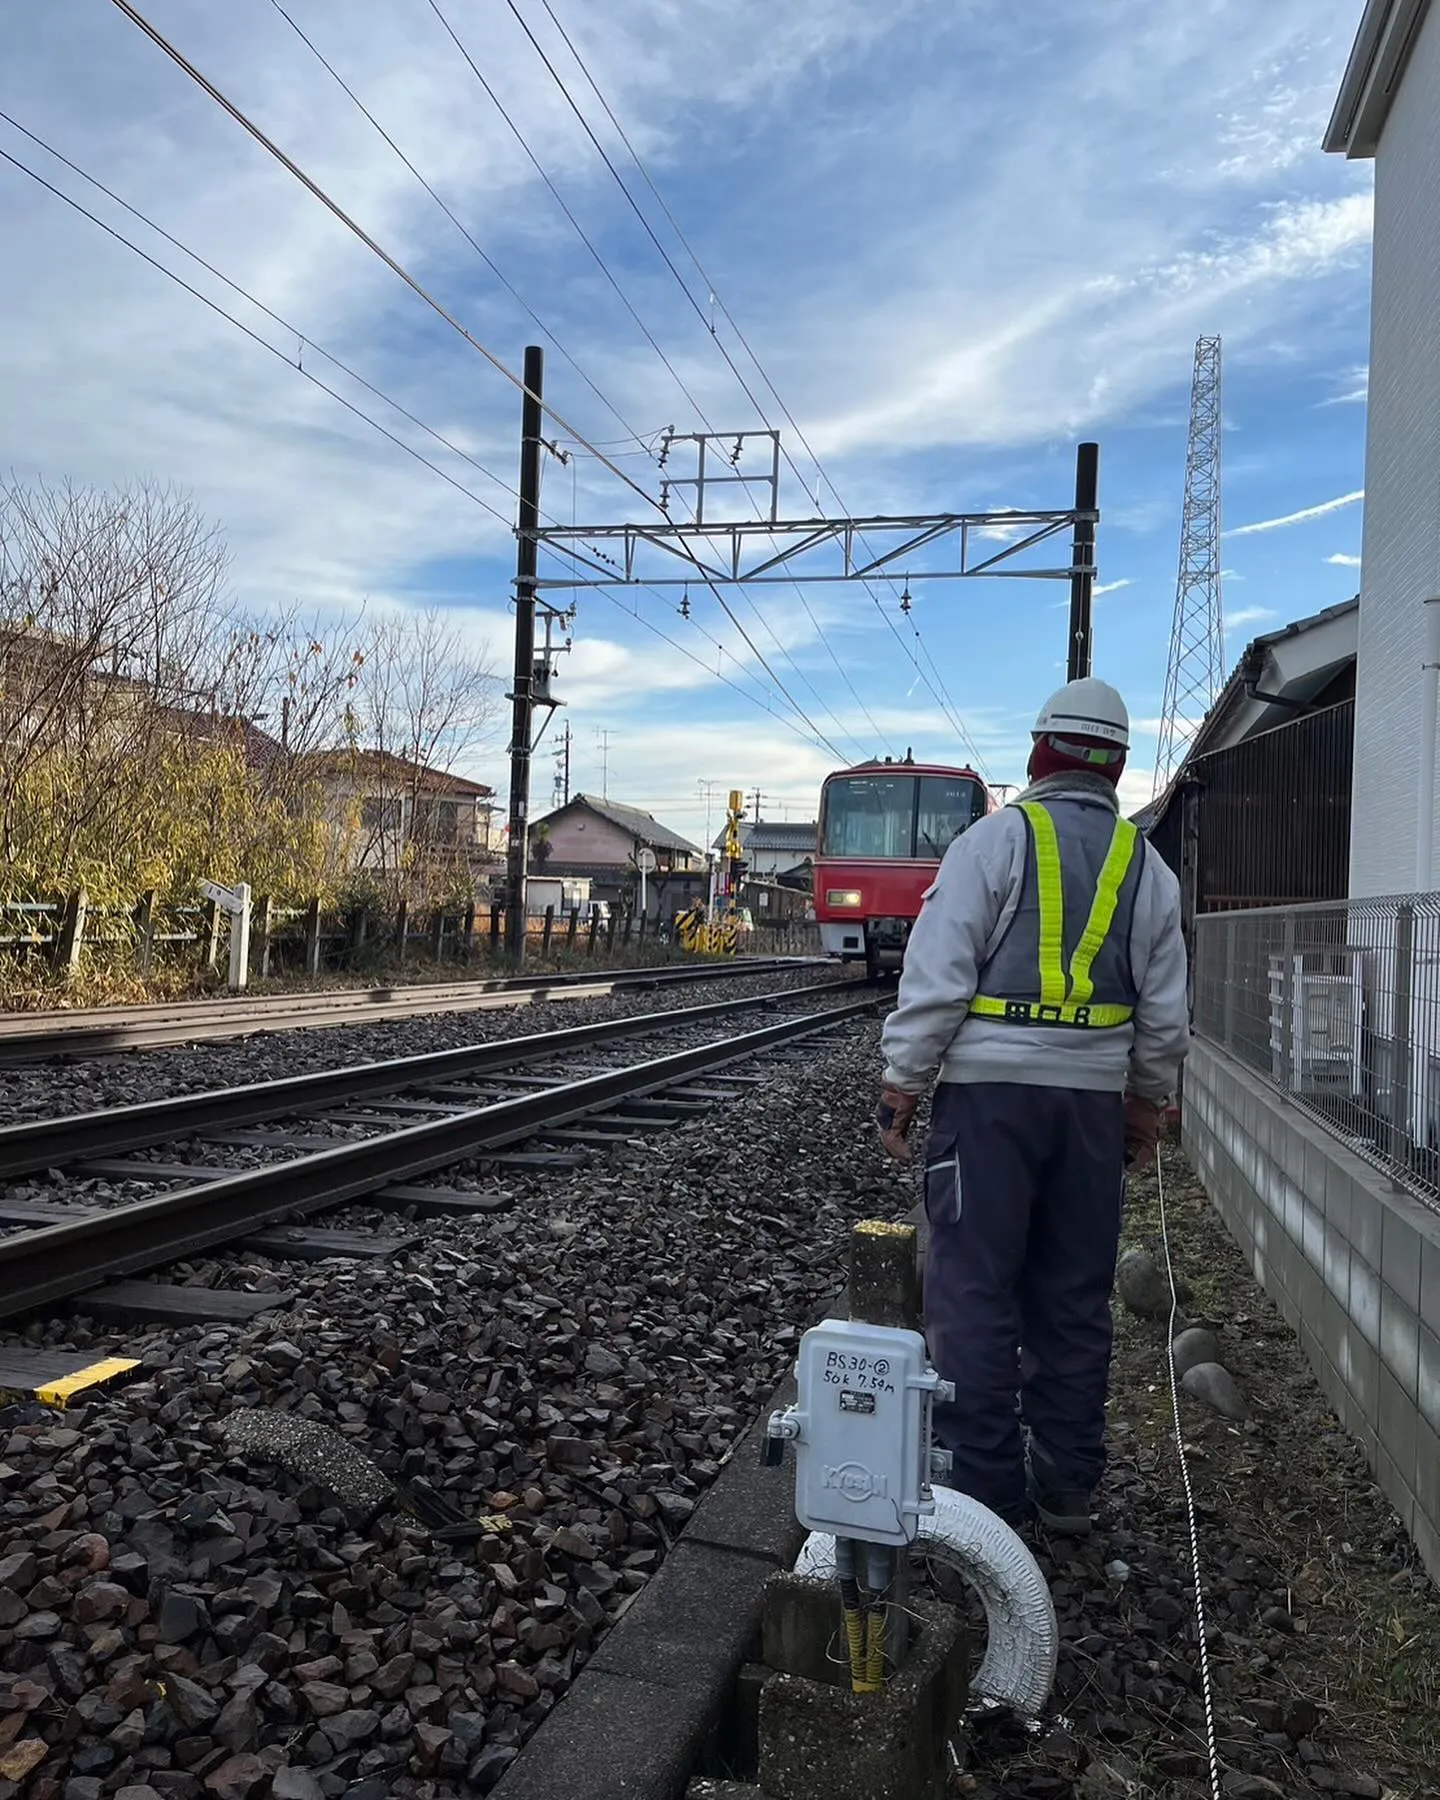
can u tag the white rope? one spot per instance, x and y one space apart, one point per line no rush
1206 1689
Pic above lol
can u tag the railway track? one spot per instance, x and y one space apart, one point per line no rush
368 1133
102 1031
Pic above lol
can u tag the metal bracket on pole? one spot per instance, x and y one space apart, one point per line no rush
236 903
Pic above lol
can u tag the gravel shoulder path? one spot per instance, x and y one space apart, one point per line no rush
1324 1629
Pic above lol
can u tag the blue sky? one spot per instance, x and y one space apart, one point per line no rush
956 245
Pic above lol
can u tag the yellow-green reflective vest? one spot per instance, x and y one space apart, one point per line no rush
1065 956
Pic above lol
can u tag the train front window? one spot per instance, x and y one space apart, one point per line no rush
870 816
949 804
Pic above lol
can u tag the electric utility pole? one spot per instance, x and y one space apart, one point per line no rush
522 697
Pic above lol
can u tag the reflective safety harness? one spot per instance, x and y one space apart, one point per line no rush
1065 996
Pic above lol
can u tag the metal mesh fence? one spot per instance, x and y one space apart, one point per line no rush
1338 1004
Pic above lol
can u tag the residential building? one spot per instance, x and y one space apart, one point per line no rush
1388 110
394 814
1259 812
603 839
776 850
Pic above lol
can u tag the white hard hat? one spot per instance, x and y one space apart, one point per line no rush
1085 709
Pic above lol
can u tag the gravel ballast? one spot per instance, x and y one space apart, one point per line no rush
133 1076
179 1622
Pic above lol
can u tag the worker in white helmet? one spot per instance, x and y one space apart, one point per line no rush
1045 982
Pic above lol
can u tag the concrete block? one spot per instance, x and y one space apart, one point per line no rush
1365 1299
1394 1487
1430 1284
1316 1163
1287 1150
1364 1387
1365 1220
1312 1233
1336 1264
1427 1381
1339 1200
750 1508
694 1625
818 1740
1309 1294
1334 1326
1399 1340
1426 1537
1400 1256
1294 1209
1427 1474
612 1739
1395 1428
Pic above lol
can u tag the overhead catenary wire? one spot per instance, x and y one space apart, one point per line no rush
648 334
308 375
313 187
256 338
455 220
694 305
941 694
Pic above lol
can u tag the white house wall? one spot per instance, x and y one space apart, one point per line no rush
1401 559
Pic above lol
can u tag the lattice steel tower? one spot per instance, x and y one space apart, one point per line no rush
1196 672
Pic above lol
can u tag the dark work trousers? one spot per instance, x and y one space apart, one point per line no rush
1024 1188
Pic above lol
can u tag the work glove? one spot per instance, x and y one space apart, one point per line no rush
894 1116
1143 1119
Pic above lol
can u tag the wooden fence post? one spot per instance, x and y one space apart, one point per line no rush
494 927
549 930
572 927
402 928
594 930
70 939
467 947
610 934
144 918
437 934
312 937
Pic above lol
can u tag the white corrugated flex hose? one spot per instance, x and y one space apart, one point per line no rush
1021 1636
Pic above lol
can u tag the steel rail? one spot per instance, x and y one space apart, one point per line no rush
52 1143
100 1031
40 1267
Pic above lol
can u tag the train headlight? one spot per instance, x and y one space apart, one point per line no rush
844 897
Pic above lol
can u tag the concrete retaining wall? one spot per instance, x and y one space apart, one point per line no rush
1352 1261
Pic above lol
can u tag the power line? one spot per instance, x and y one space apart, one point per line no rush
655 346
946 704
255 338
244 293
454 219
332 206
409 449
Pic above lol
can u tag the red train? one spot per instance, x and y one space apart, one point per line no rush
883 828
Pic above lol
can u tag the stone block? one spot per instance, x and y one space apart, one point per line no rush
1316 1163
1336 1267
1364 1385
1427 1473
819 1740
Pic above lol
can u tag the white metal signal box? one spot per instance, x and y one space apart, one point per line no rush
861 1430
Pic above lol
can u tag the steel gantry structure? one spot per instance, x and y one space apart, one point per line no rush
755 552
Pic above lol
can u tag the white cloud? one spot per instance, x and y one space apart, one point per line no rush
1111 587
1344 561
1248 615
1297 518
1354 389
